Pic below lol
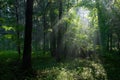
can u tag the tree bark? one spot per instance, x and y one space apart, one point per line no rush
26 64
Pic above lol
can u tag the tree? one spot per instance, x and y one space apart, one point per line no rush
17 31
26 64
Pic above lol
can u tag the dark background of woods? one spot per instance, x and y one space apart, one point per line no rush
40 27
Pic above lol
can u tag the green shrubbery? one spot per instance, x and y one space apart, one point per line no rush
46 68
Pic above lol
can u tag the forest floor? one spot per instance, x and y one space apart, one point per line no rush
102 67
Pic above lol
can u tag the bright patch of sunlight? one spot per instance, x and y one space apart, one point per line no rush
65 75
74 70
94 72
7 28
99 70
84 13
85 70
87 73
80 32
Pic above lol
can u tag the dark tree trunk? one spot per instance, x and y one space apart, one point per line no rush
53 43
118 44
60 9
53 39
28 37
59 36
17 31
44 36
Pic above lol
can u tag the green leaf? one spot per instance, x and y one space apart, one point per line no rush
8 36
7 28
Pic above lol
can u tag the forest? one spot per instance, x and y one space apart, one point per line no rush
59 39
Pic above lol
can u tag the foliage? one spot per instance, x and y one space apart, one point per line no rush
47 69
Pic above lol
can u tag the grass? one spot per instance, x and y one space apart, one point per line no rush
7 60
104 67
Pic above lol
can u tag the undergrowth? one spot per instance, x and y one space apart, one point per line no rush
103 67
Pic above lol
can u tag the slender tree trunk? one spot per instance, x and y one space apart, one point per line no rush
59 36
60 9
28 37
44 25
111 42
118 44
53 41
108 40
17 31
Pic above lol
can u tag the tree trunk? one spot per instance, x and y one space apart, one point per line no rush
17 31
53 39
59 36
111 42
44 36
28 37
108 40
60 9
118 44
101 24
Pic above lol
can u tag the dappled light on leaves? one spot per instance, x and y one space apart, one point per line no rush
80 32
74 70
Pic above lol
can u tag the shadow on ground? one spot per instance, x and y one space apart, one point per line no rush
111 64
